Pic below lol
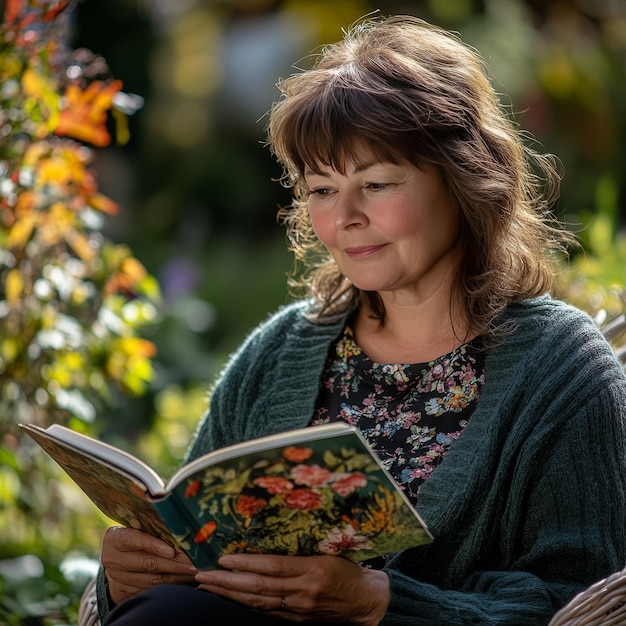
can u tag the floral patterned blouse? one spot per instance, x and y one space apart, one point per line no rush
409 414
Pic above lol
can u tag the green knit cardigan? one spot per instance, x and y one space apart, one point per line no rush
529 505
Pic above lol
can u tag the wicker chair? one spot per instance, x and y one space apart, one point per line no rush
88 611
602 604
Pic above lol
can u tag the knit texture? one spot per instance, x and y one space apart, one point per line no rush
528 507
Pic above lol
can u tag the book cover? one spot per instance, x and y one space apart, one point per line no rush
316 490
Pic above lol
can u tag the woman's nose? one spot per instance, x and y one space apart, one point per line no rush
349 212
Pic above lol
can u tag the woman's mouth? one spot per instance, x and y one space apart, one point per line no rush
356 252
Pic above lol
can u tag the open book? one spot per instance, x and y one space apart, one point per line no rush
317 490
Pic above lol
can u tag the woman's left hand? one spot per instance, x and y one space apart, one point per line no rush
318 588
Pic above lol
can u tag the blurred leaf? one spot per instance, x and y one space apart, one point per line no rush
14 286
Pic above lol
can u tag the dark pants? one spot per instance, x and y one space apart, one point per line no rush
184 605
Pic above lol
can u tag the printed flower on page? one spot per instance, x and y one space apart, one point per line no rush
193 488
303 499
205 532
311 475
249 505
297 454
346 484
339 540
237 547
380 515
274 484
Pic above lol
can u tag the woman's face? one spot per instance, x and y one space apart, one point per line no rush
391 228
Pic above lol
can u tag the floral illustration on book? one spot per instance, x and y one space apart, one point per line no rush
300 500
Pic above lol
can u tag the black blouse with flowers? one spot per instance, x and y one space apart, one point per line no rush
409 414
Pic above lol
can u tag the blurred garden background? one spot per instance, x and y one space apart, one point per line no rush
138 237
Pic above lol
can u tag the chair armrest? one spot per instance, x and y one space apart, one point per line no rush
88 608
601 604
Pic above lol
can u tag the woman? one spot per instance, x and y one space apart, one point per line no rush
426 323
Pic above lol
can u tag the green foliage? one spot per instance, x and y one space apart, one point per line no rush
72 303
595 280
33 593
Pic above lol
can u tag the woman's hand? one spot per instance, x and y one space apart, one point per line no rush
318 588
134 561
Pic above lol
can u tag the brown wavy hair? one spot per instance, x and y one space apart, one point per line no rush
408 90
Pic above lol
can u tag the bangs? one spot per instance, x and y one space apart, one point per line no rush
328 125
332 129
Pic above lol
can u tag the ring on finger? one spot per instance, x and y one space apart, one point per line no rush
283 605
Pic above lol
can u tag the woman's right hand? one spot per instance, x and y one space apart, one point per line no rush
135 561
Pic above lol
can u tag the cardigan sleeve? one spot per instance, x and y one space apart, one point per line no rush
498 599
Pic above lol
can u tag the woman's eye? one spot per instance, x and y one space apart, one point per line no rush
321 191
377 186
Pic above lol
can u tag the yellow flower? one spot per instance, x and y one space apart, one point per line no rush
53 170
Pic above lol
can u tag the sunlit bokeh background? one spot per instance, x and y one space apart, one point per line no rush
198 199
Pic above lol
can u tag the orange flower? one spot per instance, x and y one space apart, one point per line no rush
296 454
84 114
193 488
249 505
205 532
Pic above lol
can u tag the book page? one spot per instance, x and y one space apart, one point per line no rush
112 456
